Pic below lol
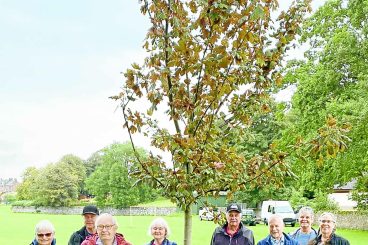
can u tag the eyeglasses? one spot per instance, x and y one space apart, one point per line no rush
158 228
40 235
327 221
107 227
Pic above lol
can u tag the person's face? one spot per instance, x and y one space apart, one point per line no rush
305 220
233 218
326 225
106 230
44 237
276 227
158 232
89 221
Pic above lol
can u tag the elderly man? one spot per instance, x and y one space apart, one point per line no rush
106 226
277 236
306 232
233 232
89 214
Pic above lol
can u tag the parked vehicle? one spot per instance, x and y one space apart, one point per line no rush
205 213
248 217
282 208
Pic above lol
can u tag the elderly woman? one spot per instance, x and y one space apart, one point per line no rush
306 232
45 233
159 230
327 227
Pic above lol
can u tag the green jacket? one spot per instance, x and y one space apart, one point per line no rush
78 237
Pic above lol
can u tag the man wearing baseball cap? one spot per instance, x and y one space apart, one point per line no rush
233 232
90 214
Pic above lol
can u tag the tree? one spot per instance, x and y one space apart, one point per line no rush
76 167
212 65
26 189
111 183
55 186
332 81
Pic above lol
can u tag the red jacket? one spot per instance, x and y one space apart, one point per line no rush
91 240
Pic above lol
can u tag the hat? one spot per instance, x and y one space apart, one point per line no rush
90 209
233 207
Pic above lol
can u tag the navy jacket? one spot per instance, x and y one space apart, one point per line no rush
34 242
335 240
243 237
165 242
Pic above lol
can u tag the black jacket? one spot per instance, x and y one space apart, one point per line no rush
78 237
335 240
243 237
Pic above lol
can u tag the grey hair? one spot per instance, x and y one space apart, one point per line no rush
44 225
103 215
306 209
275 217
161 222
333 217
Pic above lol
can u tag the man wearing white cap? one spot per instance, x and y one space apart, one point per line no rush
233 232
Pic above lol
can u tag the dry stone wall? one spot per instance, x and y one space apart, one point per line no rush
132 211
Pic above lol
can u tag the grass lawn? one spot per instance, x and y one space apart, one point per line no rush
18 228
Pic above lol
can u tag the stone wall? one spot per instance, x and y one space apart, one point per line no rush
349 220
156 211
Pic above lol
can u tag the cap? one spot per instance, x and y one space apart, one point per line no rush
233 207
90 209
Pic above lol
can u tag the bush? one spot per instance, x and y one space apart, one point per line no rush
322 202
23 203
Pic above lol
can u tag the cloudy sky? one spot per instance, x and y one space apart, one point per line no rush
59 63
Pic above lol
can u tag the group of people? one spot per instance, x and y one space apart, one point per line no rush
100 229
235 233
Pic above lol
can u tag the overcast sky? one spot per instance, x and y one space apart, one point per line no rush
59 63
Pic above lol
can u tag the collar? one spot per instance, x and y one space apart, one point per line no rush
278 242
99 242
231 234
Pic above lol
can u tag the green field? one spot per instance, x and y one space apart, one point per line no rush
18 228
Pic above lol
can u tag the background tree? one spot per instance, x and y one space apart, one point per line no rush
55 186
76 167
111 183
332 81
26 189
212 65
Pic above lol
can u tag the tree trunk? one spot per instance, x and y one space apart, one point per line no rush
188 225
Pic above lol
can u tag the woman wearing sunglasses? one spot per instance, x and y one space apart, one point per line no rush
45 233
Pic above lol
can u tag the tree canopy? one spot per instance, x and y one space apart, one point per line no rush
333 81
211 66
111 182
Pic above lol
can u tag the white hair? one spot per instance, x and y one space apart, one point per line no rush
275 217
44 225
333 217
161 222
103 215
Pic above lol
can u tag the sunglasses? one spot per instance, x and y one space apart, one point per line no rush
40 235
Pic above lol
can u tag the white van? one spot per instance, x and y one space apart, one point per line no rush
282 208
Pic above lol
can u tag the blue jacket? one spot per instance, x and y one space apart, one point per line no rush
34 242
165 242
287 240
